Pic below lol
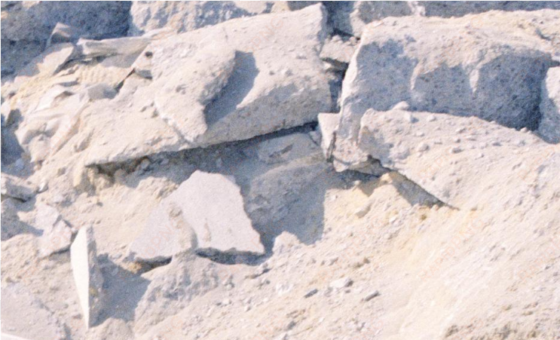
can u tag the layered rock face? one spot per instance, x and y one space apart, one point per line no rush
280 170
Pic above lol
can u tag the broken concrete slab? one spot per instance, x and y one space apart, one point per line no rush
435 71
17 188
549 126
212 205
269 87
165 234
436 151
21 309
57 233
87 275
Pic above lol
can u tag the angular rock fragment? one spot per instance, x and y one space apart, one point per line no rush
445 168
436 70
256 86
25 316
87 275
57 233
17 188
165 234
549 126
213 207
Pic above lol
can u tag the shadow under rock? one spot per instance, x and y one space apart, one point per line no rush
124 290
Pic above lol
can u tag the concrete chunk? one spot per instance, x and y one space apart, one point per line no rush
437 153
213 206
87 275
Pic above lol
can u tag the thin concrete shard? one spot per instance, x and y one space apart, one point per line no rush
87 275
213 206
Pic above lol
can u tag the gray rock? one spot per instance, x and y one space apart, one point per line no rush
549 126
189 16
434 70
254 86
392 138
351 17
25 316
17 188
87 275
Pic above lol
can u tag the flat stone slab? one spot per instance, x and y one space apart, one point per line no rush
212 205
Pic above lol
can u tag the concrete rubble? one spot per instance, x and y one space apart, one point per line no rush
280 170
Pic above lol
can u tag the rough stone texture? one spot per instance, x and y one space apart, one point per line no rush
87 275
172 287
189 16
456 67
269 88
549 126
24 315
17 188
351 17
435 150
27 26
